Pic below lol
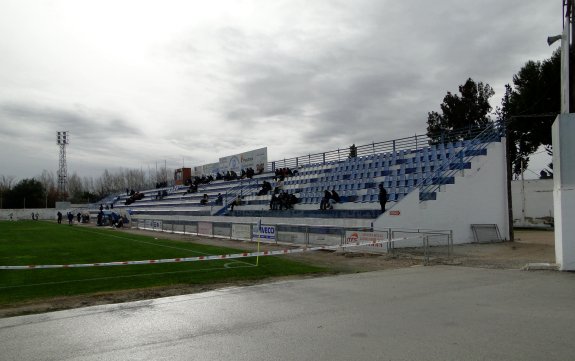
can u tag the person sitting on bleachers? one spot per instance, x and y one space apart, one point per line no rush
274 202
286 200
193 188
334 198
266 187
219 200
204 200
292 200
279 186
324 204
236 202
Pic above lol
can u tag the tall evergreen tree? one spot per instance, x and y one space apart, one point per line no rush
529 108
469 110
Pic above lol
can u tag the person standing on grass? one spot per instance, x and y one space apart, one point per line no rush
59 217
70 218
382 197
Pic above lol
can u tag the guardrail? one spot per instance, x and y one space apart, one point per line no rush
407 143
304 234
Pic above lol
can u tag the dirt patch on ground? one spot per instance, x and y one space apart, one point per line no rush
530 246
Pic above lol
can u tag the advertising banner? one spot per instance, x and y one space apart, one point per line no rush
255 159
267 233
211 168
356 236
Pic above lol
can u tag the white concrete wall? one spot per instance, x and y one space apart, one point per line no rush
43 213
564 190
479 197
532 202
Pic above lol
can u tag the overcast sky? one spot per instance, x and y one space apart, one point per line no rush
142 82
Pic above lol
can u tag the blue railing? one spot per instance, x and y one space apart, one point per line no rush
456 162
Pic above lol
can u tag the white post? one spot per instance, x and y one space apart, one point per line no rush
564 190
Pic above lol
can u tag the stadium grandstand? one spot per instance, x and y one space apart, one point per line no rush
454 184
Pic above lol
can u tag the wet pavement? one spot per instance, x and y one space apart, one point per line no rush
419 313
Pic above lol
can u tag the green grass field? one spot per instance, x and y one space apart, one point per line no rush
28 242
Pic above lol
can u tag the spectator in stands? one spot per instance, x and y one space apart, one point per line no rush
101 207
324 204
219 199
284 201
266 187
279 186
334 198
382 197
292 200
236 202
274 202
204 200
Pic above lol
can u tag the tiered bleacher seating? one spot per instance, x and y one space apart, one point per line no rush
355 179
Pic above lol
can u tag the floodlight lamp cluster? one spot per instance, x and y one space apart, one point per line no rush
63 138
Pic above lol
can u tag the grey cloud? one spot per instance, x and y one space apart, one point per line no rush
81 122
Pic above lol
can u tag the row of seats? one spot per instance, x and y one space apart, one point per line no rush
356 179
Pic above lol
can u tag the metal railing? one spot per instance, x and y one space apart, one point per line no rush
340 155
390 146
308 235
445 238
476 141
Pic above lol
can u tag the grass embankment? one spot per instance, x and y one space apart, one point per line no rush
40 243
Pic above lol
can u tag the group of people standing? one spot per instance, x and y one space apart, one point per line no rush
69 215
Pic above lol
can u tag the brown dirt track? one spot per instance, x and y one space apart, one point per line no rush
530 246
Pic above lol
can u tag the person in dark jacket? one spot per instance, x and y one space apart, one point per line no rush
382 197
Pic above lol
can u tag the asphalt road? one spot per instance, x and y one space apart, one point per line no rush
421 313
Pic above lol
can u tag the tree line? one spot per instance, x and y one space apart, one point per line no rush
42 191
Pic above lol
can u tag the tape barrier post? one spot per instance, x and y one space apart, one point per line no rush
259 239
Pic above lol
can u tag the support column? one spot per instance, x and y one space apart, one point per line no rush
564 190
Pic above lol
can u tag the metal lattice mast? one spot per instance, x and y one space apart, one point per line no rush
63 139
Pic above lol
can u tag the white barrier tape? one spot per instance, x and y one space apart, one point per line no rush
198 258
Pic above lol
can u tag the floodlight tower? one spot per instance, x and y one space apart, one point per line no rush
63 139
